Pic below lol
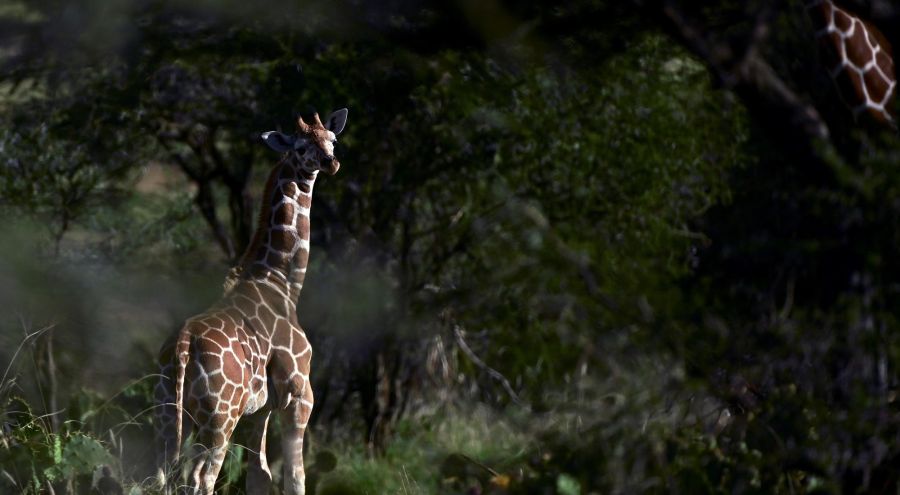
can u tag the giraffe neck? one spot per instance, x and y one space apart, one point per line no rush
859 59
279 252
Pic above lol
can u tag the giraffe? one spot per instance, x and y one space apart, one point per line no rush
860 58
247 355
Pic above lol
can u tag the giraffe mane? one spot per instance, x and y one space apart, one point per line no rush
237 272
257 240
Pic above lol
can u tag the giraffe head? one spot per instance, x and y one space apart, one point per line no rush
312 147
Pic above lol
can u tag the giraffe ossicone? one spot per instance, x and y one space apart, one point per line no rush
247 355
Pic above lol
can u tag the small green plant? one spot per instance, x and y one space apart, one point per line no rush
34 457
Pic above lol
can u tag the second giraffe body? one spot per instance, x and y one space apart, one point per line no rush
861 60
247 355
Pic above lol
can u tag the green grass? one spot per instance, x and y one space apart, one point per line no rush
431 452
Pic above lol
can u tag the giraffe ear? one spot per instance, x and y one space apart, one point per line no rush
336 121
278 141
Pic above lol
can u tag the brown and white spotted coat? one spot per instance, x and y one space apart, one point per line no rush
860 60
247 355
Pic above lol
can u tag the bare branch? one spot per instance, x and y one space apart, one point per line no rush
206 203
496 375
180 160
752 79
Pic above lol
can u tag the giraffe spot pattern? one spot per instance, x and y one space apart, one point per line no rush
249 343
862 69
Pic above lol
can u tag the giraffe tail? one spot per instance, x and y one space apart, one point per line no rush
181 355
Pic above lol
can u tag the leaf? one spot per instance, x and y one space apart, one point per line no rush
80 455
567 485
501 481
57 449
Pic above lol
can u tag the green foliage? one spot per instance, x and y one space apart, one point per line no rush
32 455
44 176
560 206
559 198
436 452
567 485
790 332
80 455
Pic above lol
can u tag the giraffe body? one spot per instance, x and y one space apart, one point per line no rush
247 355
860 60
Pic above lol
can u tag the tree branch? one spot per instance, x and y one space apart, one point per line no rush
752 79
206 203
496 375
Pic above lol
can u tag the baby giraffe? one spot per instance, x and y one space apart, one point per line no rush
247 355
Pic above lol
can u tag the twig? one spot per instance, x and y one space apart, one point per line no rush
52 383
496 375
482 465
28 336
126 387
50 415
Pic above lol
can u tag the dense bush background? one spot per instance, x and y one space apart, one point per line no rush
606 247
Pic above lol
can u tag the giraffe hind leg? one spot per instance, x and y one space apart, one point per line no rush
208 454
294 421
259 478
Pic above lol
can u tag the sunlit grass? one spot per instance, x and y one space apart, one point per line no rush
426 452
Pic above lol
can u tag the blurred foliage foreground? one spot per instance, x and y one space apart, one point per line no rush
549 264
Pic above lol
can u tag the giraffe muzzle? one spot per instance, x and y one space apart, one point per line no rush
332 165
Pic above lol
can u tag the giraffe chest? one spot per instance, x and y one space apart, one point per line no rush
275 350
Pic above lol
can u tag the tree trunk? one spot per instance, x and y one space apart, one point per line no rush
384 383
207 205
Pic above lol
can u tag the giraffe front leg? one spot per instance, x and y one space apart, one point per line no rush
259 478
294 421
